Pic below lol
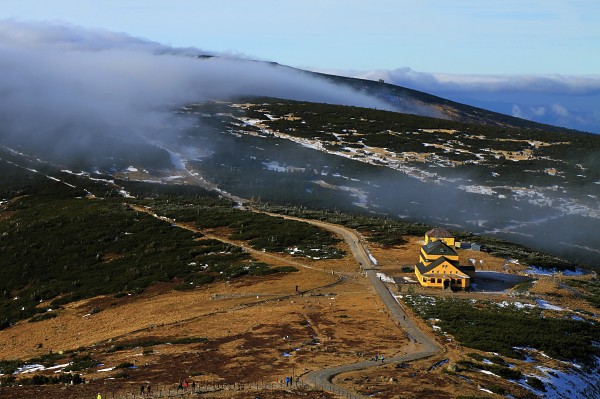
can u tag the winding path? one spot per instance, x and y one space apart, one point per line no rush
426 346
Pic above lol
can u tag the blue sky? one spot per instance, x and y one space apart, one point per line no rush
536 59
460 36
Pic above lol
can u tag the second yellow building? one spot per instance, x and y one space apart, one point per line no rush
439 265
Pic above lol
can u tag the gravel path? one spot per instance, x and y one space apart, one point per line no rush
425 345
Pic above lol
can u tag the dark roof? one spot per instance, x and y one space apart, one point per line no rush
422 268
426 269
438 248
439 232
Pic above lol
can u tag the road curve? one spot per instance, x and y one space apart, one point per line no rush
426 345
322 378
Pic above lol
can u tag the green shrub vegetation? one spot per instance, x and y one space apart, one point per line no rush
502 371
62 247
389 231
487 327
62 378
149 342
536 383
262 231
591 290
358 127
79 363
247 173
10 366
74 248
379 230
476 356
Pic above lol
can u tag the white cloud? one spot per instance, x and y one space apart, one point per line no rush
517 111
560 111
69 82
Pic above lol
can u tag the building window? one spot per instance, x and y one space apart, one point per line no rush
424 279
439 281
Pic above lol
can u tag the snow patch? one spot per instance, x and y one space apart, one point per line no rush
125 194
477 189
373 260
550 272
545 305
274 166
385 278
572 384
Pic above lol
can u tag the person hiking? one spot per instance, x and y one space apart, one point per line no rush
180 386
148 389
142 390
193 386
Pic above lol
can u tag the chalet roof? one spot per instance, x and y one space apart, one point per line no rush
424 269
438 248
439 232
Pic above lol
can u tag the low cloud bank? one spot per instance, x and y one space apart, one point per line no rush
63 86
568 101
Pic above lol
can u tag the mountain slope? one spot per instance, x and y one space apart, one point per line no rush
534 184
396 96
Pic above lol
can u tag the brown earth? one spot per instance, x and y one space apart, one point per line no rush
324 315
249 323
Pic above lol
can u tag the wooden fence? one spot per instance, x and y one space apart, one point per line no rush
174 391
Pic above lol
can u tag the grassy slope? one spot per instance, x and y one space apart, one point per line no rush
60 245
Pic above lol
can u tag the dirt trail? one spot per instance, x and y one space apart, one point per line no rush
425 345
421 344
245 247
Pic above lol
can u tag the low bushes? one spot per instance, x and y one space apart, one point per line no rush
483 325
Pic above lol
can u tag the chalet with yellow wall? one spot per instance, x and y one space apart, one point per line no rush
439 234
439 265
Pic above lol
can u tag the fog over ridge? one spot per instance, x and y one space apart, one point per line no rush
60 84
61 87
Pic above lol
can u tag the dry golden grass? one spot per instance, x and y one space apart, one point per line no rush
392 259
249 323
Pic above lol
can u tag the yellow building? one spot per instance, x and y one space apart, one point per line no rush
438 263
439 234
435 250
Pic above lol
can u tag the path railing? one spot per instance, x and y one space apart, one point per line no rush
174 391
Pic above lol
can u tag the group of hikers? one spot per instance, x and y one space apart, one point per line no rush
145 391
289 381
184 385
378 358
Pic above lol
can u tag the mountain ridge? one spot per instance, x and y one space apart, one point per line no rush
453 110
